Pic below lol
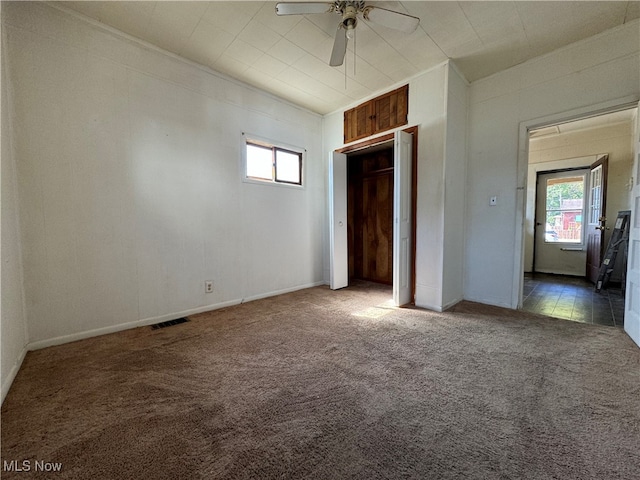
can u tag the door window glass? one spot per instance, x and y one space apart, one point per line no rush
564 210
596 195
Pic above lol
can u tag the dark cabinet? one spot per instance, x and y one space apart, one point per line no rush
382 113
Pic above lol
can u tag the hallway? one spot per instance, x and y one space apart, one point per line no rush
572 298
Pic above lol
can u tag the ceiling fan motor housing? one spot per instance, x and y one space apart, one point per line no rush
349 19
341 6
349 11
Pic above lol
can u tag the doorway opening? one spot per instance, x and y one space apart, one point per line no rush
372 205
566 203
559 238
370 193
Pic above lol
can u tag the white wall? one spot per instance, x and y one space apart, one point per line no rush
427 109
455 188
129 182
13 326
602 70
556 151
440 183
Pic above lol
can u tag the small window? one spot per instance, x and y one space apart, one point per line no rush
272 163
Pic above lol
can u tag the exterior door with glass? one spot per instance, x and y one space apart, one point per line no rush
560 212
596 216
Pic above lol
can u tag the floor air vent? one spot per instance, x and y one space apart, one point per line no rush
170 323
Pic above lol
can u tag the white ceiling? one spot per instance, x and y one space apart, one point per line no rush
288 56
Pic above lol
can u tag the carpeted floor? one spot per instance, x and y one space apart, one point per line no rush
333 385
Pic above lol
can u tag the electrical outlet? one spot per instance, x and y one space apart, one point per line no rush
208 286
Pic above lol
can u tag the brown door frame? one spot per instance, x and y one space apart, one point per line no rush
414 185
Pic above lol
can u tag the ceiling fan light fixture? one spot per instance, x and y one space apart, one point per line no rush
351 32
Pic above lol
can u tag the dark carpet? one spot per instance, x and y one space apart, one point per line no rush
319 384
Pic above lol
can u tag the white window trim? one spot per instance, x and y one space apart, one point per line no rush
248 137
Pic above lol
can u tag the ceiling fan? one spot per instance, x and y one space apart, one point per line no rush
350 11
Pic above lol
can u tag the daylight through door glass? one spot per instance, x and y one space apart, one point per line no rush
565 201
596 195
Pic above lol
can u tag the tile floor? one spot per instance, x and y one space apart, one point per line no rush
572 298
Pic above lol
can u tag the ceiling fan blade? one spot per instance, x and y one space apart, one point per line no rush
389 18
339 47
303 8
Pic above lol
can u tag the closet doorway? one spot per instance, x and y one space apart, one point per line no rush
370 214
358 214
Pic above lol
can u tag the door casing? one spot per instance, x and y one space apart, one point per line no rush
339 260
632 296
623 103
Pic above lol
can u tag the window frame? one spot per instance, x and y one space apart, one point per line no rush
274 146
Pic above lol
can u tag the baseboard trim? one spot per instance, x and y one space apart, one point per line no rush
426 306
283 291
6 385
489 301
632 327
161 318
450 304
438 308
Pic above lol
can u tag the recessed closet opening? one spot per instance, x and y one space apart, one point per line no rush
370 192
372 216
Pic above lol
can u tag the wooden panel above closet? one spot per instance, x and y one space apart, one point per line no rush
380 114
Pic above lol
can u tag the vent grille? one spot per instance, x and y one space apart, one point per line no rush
169 323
